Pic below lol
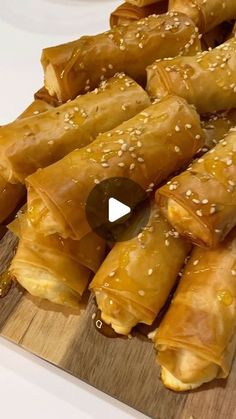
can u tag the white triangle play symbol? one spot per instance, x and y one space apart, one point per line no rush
117 210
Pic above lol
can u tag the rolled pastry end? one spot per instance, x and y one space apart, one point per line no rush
174 384
183 370
51 82
185 223
41 218
119 315
42 284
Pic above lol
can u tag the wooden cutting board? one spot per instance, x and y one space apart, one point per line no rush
122 368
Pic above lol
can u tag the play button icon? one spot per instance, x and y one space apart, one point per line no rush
118 209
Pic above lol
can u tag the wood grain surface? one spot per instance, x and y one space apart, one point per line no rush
123 368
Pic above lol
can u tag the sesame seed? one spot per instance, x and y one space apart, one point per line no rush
150 272
124 147
233 272
205 201
177 128
188 193
111 274
195 262
141 292
132 166
199 213
177 149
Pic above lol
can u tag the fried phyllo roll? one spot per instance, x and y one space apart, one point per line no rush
201 202
38 141
216 126
207 80
69 69
11 195
206 14
126 13
234 29
145 149
52 268
136 278
196 341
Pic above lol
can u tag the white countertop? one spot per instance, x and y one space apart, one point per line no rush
29 387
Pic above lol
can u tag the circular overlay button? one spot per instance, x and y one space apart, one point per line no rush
118 209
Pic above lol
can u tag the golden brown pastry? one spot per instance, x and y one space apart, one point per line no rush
69 69
145 149
201 202
52 268
206 14
216 36
135 280
35 142
196 341
127 13
207 80
12 195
